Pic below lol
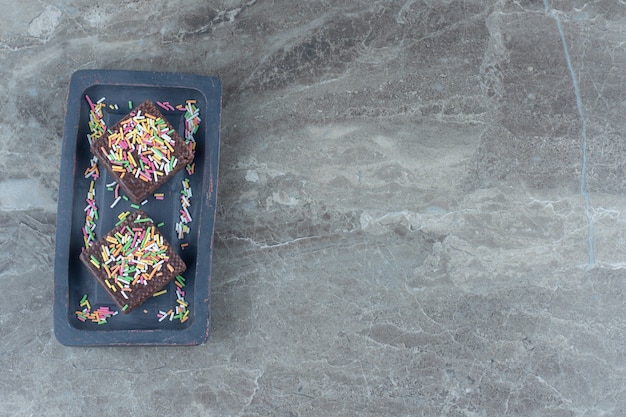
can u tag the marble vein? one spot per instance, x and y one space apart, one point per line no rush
591 257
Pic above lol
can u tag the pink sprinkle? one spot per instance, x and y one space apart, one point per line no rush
163 106
90 102
91 203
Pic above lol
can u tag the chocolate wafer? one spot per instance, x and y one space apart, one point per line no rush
132 261
142 151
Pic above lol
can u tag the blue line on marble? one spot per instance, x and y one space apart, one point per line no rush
583 131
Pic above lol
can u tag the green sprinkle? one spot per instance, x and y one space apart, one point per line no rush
140 220
135 206
125 198
95 260
82 300
145 237
125 307
130 104
125 280
180 279
160 224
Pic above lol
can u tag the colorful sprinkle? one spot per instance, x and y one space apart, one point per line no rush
99 316
192 123
182 227
181 310
142 147
121 217
91 215
133 256
96 129
92 170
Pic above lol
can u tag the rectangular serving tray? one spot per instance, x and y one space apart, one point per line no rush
71 278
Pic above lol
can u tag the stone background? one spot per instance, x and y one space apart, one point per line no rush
407 223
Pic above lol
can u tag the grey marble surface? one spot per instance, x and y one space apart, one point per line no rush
419 208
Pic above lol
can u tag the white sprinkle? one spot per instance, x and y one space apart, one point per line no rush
117 200
188 215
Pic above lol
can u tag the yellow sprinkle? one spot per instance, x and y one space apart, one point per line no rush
156 294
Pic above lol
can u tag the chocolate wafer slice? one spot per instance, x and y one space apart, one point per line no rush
142 151
132 261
